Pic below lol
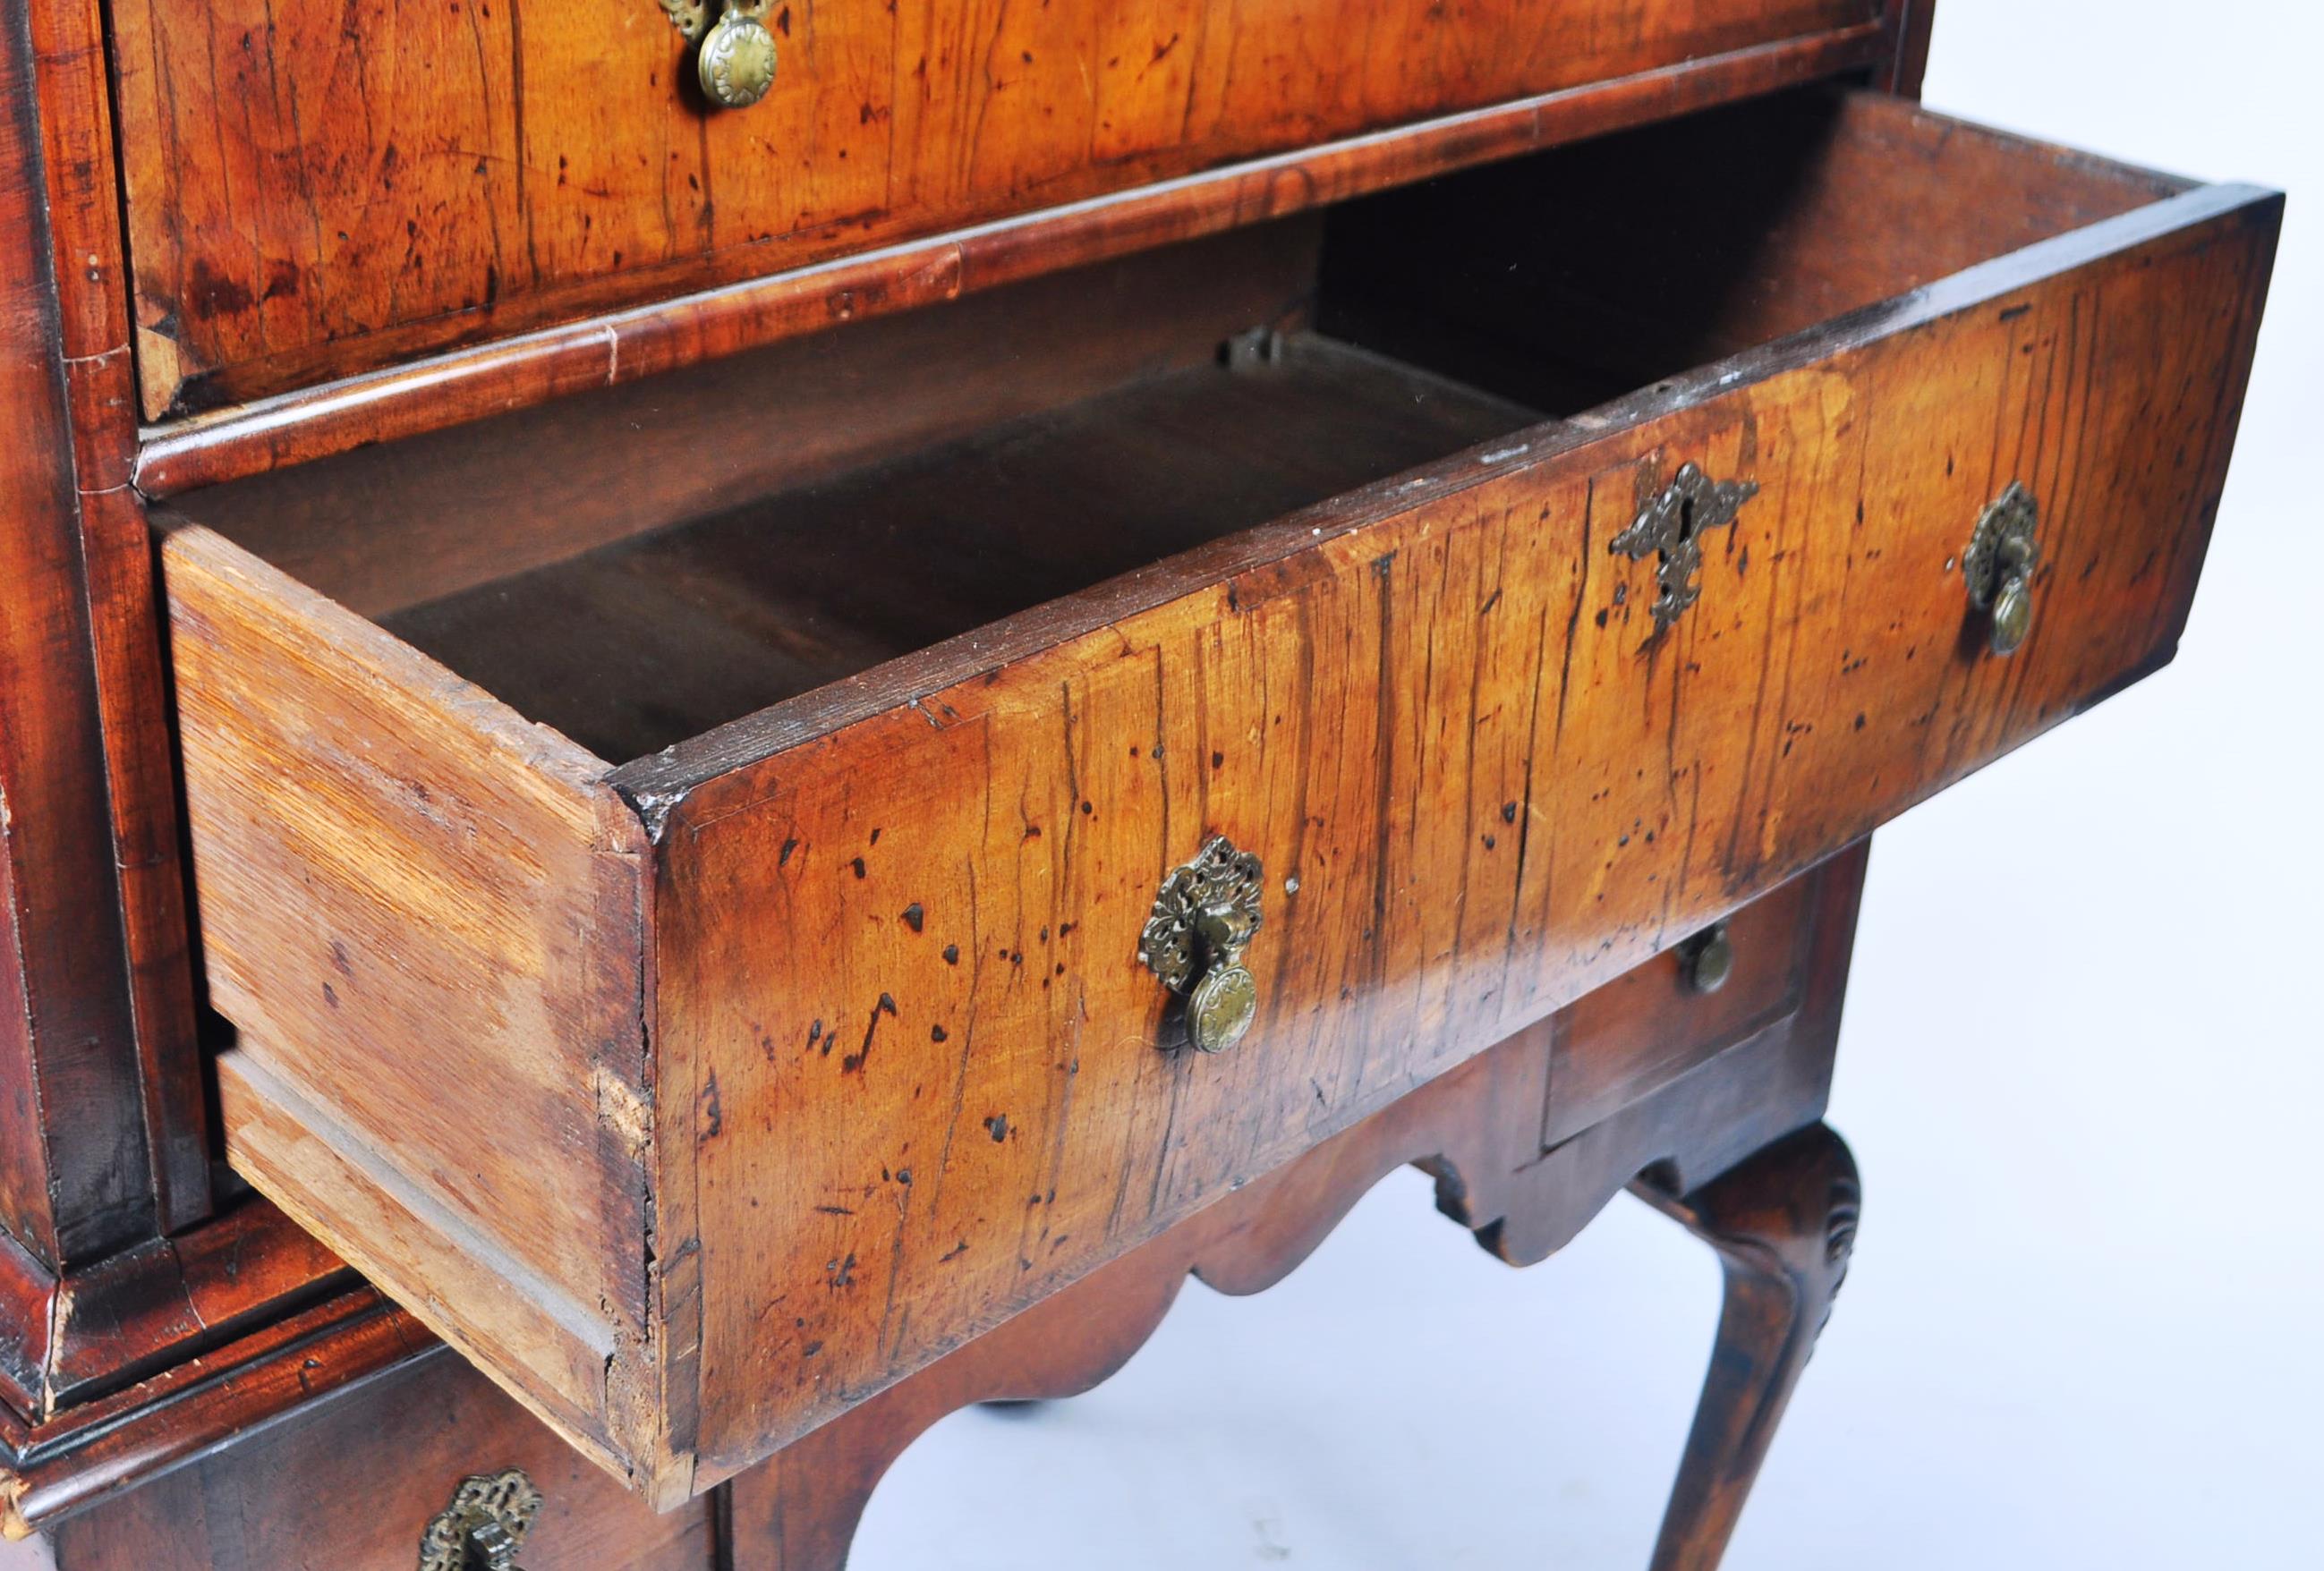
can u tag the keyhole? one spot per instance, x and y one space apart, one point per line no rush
1685 520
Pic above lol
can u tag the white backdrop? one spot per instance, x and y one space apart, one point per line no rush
2082 1328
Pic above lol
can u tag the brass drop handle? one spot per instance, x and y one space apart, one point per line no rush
735 62
1997 569
1205 916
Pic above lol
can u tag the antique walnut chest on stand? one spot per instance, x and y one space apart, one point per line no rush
724 723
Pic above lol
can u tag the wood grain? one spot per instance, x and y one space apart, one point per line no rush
1648 1026
387 527
456 385
1830 203
775 567
637 645
73 1338
79 169
307 200
1784 1224
1797 951
105 1447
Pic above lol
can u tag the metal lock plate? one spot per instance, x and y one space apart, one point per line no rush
1671 525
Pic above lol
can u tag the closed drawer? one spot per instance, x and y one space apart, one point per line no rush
313 192
358 1481
678 860
1650 1025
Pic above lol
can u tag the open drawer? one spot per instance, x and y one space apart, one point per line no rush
683 862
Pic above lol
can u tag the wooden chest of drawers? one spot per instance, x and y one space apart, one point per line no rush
814 737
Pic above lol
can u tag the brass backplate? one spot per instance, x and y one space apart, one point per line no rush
1998 567
690 17
1204 915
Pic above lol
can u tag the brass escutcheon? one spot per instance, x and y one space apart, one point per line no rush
1997 567
735 62
1671 525
484 1527
1205 916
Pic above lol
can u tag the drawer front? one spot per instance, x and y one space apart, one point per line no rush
702 1097
1686 1005
909 1051
356 1482
314 191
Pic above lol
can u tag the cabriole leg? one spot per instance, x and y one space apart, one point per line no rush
1783 1222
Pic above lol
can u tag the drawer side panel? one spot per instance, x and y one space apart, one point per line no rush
425 919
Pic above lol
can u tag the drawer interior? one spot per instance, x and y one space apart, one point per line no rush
639 644
639 564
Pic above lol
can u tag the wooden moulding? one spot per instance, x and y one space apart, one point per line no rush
351 1481
517 372
74 1337
91 1452
701 1098
104 1142
112 1372
96 1153
140 786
